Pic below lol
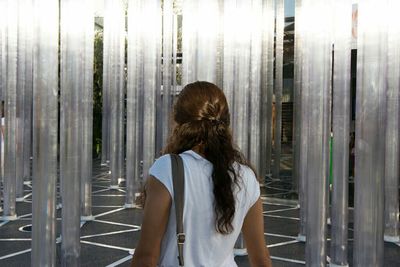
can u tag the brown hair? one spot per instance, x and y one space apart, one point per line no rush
202 118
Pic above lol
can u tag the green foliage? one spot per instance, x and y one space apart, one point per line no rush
97 92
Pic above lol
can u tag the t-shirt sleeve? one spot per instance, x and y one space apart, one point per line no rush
161 170
253 187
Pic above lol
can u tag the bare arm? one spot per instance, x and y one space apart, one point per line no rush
155 219
253 233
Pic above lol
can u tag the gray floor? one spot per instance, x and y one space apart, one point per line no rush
110 239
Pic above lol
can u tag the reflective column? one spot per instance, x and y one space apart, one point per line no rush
45 127
2 84
370 133
316 80
270 19
27 22
87 109
75 22
10 109
114 31
267 70
3 57
168 70
151 41
301 98
106 109
133 107
278 85
200 40
20 116
24 96
255 83
341 130
297 105
392 153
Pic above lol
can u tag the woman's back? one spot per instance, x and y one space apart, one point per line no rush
221 191
204 246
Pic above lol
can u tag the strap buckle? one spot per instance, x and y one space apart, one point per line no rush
181 238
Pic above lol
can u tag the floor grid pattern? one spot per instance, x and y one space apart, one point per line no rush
110 239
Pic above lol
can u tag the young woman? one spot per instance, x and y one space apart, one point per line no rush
222 194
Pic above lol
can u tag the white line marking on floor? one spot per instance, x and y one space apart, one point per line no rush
283 236
282 217
15 239
94 206
15 254
121 224
106 246
288 260
4 223
118 262
272 211
101 190
25 215
109 233
109 195
283 243
108 212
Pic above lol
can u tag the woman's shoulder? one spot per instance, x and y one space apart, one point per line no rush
245 173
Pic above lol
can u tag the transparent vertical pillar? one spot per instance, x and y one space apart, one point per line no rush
341 131
134 84
392 153
316 80
45 128
114 33
10 109
370 133
200 40
75 88
278 85
301 119
267 67
151 39
87 110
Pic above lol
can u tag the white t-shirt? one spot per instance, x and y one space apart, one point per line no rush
203 246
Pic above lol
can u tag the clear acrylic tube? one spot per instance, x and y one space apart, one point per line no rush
20 114
3 40
72 81
9 183
106 109
229 54
370 133
151 39
24 96
342 13
297 108
87 109
278 85
200 40
28 87
134 85
392 128
45 127
270 32
255 85
168 66
114 21
301 93
266 87
316 80
3 64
